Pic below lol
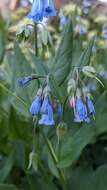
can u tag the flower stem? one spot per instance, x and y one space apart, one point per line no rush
35 121
55 160
36 39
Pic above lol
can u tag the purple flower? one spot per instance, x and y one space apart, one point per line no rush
47 113
49 9
35 106
24 80
36 13
90 105
80 111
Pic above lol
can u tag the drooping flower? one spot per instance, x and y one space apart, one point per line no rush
86 4
80 111
104 32
37 10
47 113
82 29
72 102
35 106
63 19
90 105
49 9
24 80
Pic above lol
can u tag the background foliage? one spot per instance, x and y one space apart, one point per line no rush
81 154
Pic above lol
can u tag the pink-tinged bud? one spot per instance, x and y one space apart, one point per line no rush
72 102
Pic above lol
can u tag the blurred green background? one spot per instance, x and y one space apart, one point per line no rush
82 151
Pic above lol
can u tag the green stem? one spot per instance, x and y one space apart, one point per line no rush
36 39
34 133
55 159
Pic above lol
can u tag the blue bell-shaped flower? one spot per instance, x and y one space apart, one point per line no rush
82 29
49 9
63 19
36 13
47 113
35 106
80 111
24 80
90 105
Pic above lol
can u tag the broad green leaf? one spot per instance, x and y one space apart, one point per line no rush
2 39
63 58
40 67
5 171
89 179
8 187
86 55
74 145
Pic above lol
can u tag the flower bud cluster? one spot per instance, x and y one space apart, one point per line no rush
81 102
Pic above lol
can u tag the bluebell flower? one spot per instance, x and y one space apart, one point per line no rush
80 111
86 3
47 113
24 80
90 105
63 19
82 29
49 9
105 31
91 86
37 10
35 106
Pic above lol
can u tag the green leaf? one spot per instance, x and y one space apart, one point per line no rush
40 67
86 55
63 58
89 179
7 187
5 171
2 39
74 145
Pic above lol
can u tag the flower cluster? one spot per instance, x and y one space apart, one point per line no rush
41 9
81 102
43 105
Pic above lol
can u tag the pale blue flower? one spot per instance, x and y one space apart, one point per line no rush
49 9
47 113
80 111
35 106
37 10
24 80
90 105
